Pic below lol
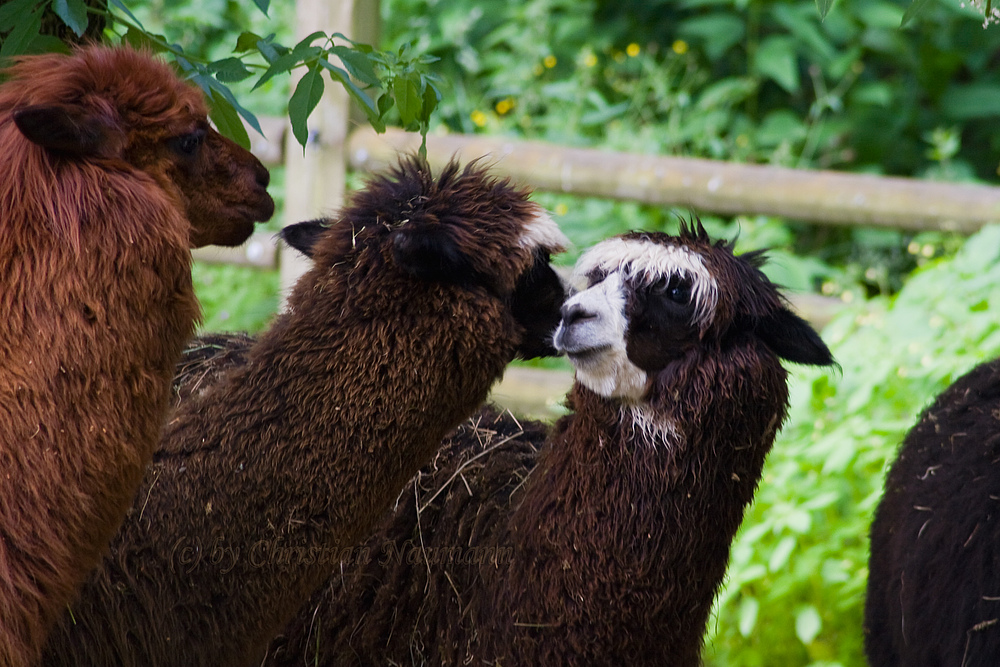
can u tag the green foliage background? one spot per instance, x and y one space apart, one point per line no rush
798 570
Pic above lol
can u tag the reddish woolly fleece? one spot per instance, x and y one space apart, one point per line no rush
96 303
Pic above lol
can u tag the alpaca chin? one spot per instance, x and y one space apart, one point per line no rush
612 375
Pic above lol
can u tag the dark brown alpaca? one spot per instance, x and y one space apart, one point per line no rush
420 294
605 544
109 172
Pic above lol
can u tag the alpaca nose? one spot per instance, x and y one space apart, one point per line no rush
262 175
574 312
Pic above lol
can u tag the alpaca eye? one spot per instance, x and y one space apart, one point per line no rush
188 144
678 291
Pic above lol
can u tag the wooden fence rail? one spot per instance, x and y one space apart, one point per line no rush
708 186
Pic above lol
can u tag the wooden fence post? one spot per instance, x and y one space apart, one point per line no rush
315 177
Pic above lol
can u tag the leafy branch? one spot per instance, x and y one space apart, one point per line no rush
378 81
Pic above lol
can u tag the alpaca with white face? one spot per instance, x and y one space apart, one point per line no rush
605 542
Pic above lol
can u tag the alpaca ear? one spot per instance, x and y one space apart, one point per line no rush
431 253
63 128
303 235
793 339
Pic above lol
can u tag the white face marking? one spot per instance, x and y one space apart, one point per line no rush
648 261
542 231
595 341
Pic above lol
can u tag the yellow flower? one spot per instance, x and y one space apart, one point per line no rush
742 140
590 59
550 61
562 209
478 118
632 50
680 47
504 105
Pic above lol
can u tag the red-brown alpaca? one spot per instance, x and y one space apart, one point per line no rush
603 545
421 291
109 172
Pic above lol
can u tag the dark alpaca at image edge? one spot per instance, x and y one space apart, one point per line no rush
934 570
420 293
604 543
109 172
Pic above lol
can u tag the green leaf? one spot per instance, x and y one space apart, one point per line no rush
976 100
802 24
230 70
73 13
776 59
305 98
48 44
824 7
247 41
24 33
717 32
119 5
139 39
263 5
385 103
306 42
213 88
270 49
916 8
408 99
356 93
432 96
747 615
282 65
807 624
12 13
227 120
357 64
781 553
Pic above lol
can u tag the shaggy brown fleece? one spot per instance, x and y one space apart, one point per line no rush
606 544
421 292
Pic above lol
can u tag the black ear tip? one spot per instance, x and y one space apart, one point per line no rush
793 339
32 120
303 235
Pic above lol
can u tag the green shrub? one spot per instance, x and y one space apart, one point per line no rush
799 567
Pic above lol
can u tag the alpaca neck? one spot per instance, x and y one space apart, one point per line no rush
264 477
629 522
